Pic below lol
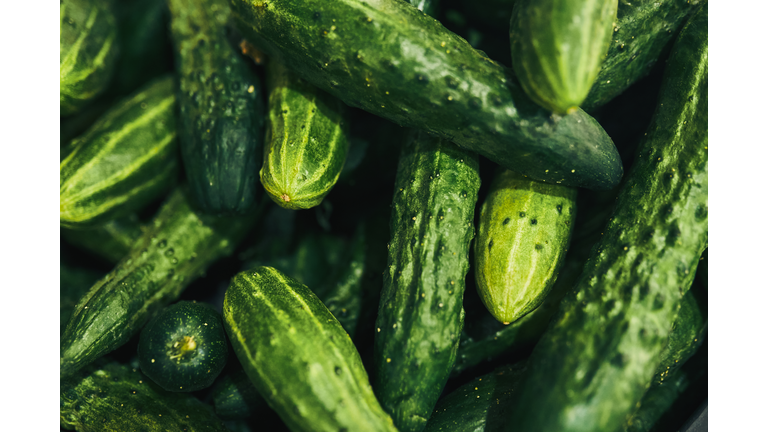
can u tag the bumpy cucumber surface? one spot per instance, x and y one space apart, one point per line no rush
221 111
524 231
127 158
88 50
111 241
420 311
306 142
419 74
298 356
558 47
597 358
177 247
115 397
644 28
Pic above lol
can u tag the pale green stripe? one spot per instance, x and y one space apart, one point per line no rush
69 61
320 173
303 144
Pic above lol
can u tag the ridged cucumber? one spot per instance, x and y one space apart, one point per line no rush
524 231
126 159
298 356
421 75
420 312
306 142
598 357
111 241
178 246
558 47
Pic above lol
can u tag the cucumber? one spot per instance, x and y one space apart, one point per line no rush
420 312
128 158
479 405
111 241
234 397
298 356
178 246
703 273
644 29
524 231
558 47
221 109
88 50
115 397
421 75
429 7
306 141
599 354
183 348
74 282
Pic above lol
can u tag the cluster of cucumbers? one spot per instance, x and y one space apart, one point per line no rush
364 215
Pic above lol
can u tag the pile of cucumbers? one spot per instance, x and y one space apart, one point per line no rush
383 215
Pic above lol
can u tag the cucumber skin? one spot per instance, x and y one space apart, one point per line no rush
177 247
597 358
234 397
525 227
412 79
643 30
221 109
298 356
558 47
114 397
126 159
73 284
421 311
88 51
307 140
111 241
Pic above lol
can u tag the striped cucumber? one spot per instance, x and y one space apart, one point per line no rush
524 231
420 311
298 356
306 142
126 159
599 354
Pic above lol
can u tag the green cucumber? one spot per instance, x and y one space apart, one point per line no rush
88 50
183 348
703 273
429 7
234 397
420 312
306 142
298 356
524 231
111 241
178 246
643 30
558 47
599 354
115 397
421 75
221 109
479 405
126 159
73 284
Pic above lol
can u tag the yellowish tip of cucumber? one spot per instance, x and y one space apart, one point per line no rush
285 197
572 110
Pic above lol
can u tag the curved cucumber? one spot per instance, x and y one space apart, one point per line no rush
126 159
524 231
558 47
421 75
604 345
306 142
220 116
298 356
88 50
420 312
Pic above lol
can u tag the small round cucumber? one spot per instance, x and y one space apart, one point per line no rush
184 348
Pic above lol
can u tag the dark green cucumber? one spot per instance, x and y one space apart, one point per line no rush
419 74
115 397
298 356
643 30
73 284
183 348
420 312
220 109
306 141
126 159
88 50
558 47
178 246
524 231
599 354
481 404
235 397
111 241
